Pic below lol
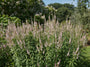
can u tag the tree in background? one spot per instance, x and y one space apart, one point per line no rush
82 6
56 5
49 11
63 11
82 14
69 6
23 9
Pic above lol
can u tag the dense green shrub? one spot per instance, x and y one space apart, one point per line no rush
58 5
39 19
5 20
55 46
5 54
84 19
23 9
63 13
49 12
6 57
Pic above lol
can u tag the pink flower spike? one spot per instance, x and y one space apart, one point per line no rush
4 46
28 52
69 40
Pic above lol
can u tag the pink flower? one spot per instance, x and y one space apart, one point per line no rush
0 47
28 52
4 46
69 40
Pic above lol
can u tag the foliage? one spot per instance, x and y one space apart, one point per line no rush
49 12
84 60
82 6
49 45
84 19
39 19
5 20
53 45
56 5
63 13
69 6
5 55
23 9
